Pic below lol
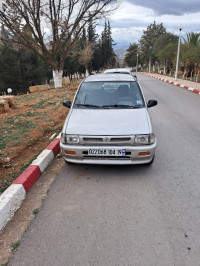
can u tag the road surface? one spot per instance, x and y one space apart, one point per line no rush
127 215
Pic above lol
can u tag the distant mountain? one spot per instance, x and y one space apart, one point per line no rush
120 53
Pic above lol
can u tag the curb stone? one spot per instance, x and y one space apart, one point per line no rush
177 84
14 195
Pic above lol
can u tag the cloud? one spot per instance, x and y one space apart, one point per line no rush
129 21
126 23
125 36
170 7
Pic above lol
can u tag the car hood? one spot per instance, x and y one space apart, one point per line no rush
108 122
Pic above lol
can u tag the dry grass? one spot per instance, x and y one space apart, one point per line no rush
26 129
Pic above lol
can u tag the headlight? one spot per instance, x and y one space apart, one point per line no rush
69 139
144 139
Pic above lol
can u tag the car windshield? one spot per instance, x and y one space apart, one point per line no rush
113 94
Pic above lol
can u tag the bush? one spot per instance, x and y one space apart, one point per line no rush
20 69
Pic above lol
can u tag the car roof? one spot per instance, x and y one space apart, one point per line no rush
110 77
117 70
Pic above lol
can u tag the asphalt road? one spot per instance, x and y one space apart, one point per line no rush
128 215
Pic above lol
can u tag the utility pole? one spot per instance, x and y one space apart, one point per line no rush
178 52
150 59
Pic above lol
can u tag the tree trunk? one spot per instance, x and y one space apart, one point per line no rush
191 74
57 78
87 73
164 71
197 77
184 73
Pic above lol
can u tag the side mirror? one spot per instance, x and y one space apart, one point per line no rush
67 103
152 103
135 76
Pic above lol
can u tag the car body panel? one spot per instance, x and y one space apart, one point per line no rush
84 122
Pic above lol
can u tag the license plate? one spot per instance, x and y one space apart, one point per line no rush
106 152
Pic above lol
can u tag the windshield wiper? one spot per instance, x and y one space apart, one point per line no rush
87 105
122 106
109 106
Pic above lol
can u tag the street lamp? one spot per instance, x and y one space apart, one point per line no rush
178 52
137 64
150 47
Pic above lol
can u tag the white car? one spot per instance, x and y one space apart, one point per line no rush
117 71
108 123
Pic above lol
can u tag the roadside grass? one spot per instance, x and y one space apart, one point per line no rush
13 129
15 245
26 129
31 114
39 105
35 211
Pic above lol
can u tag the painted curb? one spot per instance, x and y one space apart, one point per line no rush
43 160
10 201
55 145
177 84
28 177
14 195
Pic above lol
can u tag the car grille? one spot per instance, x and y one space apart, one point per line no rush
91 140
107 140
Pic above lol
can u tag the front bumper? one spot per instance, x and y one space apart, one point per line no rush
132 154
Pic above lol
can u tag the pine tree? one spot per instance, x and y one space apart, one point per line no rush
150 35
108 55
91 33
92 40
131 56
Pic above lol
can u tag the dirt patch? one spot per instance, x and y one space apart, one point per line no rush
26 129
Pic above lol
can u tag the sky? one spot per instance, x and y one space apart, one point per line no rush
133 16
